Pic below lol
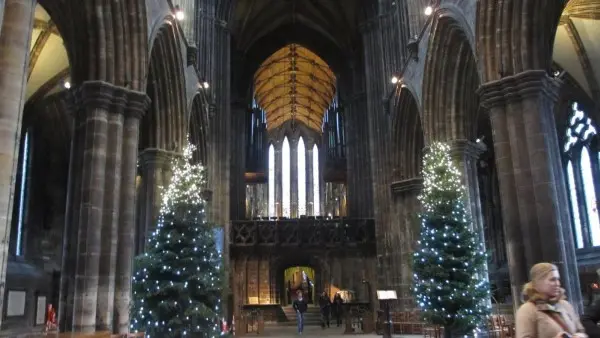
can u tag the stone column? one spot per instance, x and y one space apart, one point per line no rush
156 173
110 213
310 192
15 38
407 227
466 155
294 177
93 177
535 208
137 104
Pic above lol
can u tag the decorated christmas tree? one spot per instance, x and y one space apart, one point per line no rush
449 285
177 285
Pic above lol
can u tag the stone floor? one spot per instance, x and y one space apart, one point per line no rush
315 331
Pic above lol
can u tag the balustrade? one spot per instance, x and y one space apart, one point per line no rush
304 232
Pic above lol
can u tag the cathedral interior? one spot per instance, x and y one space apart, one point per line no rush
311 118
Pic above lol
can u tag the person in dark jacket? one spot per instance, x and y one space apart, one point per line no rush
338 308
325 305
300 305
590 319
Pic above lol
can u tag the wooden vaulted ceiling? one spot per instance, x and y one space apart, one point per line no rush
48 60
576 46
294 84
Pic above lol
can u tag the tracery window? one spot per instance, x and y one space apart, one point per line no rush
581 177
271 181
286 179
301 178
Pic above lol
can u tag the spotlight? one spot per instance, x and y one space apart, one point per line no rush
428 10
395 79
179 15
67 84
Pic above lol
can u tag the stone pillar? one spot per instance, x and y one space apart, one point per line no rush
466 155
15 38
379 158
535 208
94 179
110 212
310 191
294 177
137 104
156 173
407 228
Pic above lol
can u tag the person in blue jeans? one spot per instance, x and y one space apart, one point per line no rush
300 305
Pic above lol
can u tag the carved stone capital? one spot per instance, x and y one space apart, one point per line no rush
515 88
94 95
156 158
414 184
137 104
468 149
113 99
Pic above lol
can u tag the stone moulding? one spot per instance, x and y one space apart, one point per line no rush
408 185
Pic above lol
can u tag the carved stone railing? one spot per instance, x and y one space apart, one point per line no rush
305 233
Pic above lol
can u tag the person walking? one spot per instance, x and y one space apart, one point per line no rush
338 308
300 305
545 312
325 305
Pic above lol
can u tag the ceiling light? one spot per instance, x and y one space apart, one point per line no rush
179 15
67 84
428 10
395 79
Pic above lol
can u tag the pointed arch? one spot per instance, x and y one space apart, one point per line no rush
514 36
450 106
407 136
164 126
286 178
271 183
301 177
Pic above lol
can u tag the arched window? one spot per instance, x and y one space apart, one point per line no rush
21 196
271 181
301 178
286 179
581 178
317 196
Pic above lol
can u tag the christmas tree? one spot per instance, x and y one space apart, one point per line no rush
177 283
449 287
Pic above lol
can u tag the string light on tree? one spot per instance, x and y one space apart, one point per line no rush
178 283
447 267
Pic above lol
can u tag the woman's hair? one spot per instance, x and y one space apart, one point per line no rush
537 273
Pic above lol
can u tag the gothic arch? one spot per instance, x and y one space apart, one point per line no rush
164 125
450 81
407 136
120 36
514 36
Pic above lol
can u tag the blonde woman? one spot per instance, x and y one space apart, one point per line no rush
546 313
